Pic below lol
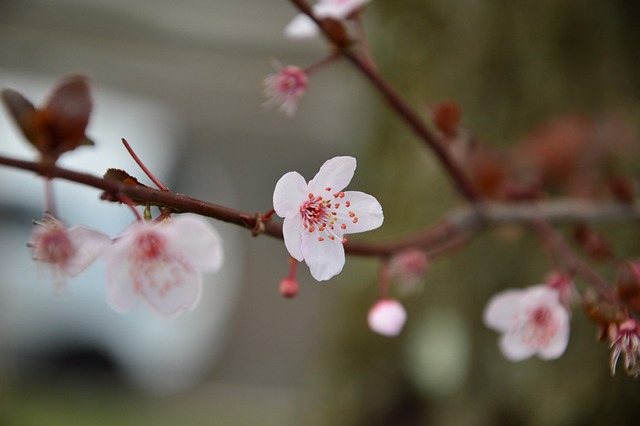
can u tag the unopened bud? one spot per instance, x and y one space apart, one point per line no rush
387 317
289 287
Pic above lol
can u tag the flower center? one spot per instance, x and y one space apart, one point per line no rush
149 246
540 327
292 81
327 215
55 247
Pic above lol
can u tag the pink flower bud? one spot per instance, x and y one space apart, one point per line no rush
289 287
387 317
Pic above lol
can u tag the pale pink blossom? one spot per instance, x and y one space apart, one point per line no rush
624 340
318 214
285 88
301 26
532 321
67 251
161 263
387 317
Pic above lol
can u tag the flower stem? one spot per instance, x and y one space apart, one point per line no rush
144 168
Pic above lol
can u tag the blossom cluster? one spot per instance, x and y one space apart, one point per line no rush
158 262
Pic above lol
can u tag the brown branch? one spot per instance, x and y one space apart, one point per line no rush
453 231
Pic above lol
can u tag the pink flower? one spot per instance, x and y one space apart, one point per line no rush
161 263
625 340
67 251
532 321
303 27
285 88
387 317
318 214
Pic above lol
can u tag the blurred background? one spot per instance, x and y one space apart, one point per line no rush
181 82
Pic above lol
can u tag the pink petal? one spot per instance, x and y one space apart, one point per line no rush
290 193
368 211
335 173
89 244
292 231
301 27
196 239
387 317
325 259
502 310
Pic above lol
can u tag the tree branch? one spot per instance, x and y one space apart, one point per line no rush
401 107
451 232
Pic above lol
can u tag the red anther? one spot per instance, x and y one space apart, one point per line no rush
347 203
343 226
310 195
344 240
337 205
328 188
352 214
355 220
320 239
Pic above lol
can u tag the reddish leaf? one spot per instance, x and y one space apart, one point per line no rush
592 242
628 285
23 113
67 112
446 117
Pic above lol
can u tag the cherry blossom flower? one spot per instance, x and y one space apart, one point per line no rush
387 317
161 263
285 88
303 27
67 251
532 321
625 340
318 214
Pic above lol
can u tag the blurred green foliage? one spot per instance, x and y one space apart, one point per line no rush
510 66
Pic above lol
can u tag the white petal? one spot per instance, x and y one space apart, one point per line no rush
503 309
367 209
337 9
194 237
89 244
514 349
172 289
292 231
301 27
335 173
121 294
324 258
290 193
